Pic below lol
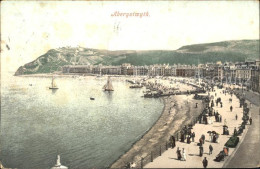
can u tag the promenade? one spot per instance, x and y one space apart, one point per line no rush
169 158
248 153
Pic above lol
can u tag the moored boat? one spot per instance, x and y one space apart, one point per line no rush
53 84
108 86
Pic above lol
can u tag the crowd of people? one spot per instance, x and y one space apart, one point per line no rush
205 118
209 115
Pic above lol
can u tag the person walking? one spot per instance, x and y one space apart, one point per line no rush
235 131
173 141
231 108
188 139
183 155
203 138
217 136
201 151
193 136
236 116
205 162
210 149
178 153
250 120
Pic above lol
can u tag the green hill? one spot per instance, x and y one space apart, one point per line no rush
232 51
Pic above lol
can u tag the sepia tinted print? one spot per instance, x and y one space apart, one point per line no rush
131 84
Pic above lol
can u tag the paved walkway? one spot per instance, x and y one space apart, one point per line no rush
248 153
169 157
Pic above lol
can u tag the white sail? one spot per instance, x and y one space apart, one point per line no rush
108 86
58 164
53 84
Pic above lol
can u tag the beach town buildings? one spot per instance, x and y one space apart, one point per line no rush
243 73
255 77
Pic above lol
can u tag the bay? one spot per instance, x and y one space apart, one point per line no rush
37 123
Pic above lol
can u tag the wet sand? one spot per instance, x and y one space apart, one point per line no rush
178 111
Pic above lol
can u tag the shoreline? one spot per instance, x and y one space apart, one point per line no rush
147 131
159 133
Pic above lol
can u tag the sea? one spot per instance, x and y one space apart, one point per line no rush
37 123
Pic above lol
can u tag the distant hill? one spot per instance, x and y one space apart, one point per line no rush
54 59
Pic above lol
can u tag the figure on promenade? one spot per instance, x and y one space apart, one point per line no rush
178 153
183 157
201 151
210 133
217 136
173 141
210 149
212 103
188 139
235 132
221 104
192 136
205 119
231 108
203 138
220 118
220 156
200 141
236 116
182 137
225 150
250 120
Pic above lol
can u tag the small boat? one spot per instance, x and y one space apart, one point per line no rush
30 84
53 84
92 98
58 164
108 86
136 86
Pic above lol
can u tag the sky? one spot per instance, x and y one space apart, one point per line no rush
32 28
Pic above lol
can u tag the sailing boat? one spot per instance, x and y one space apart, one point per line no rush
53 84
58 164
108 86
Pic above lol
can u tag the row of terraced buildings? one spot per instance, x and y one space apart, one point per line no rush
246 73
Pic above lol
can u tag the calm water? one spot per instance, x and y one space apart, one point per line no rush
37 123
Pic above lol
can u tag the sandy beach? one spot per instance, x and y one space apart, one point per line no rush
178 111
